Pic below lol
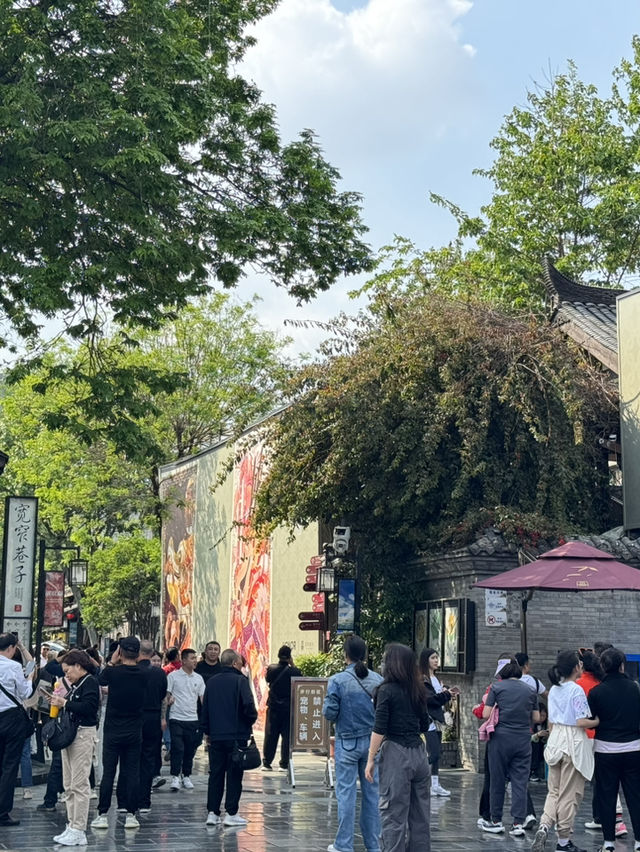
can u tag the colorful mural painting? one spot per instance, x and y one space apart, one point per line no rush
179 494
250 611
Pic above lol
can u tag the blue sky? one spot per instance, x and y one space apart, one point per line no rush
406 95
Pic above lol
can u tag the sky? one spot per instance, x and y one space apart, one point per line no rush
405 97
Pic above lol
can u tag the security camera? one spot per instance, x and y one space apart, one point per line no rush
341 536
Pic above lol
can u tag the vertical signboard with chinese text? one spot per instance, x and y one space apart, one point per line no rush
54 599
19 562
309 728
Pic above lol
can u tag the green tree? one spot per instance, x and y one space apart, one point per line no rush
564 183
124 584
430 414
136 165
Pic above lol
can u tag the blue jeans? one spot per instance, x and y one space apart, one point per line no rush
26 771
351 760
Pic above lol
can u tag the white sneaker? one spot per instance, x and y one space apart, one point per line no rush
234 819
26 793
100 821
93 794
492 827
131 821
187 783
56 839
121 810
529 821
437 790
591 823
74 837
517 830
213 819
175 783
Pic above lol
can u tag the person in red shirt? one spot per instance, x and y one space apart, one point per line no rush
172 656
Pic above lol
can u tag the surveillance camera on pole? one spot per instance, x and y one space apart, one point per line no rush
341 536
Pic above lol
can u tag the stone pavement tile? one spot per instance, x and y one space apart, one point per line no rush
280 819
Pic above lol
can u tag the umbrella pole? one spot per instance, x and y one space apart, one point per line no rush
523 621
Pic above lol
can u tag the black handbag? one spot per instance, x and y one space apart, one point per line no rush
29 727
246 757
60 732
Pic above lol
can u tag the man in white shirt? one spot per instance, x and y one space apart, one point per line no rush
185 690
12 722
531 681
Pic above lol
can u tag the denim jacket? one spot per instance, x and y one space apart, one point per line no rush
348 705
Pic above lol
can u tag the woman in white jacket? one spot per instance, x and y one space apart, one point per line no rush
568 754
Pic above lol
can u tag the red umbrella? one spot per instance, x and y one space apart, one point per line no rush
572 567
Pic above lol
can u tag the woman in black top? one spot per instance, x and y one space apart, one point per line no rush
82 702
405 786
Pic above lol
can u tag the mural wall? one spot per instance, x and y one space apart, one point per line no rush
250 603
178 556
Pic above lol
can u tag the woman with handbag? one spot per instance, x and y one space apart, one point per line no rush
437 697
81 704
400 720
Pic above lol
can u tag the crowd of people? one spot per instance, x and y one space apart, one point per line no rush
113 714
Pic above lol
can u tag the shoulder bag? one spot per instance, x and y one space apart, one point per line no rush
245 757
29 727
60 732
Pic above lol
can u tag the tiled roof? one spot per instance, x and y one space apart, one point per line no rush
491 541
586 314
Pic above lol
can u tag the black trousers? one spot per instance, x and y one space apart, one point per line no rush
11 744
185 738
611 771
484 807
277 725
150 756
125 750
434 739
54 780
220 770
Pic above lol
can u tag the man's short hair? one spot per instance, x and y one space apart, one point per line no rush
172 655
7 640
600 647
146 648
228 657
612 659
185 653
521 659
213 642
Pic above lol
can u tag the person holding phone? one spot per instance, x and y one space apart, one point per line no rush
437 697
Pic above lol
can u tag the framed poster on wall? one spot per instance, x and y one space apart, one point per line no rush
449 627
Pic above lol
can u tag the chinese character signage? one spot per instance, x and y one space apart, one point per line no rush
309 728
495 608
19 561
54 599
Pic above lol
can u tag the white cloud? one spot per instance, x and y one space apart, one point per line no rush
383 86
393 73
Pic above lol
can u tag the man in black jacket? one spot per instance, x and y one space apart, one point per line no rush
228 712
616 703
279 708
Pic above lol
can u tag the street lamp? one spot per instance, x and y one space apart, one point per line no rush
326 579
78 569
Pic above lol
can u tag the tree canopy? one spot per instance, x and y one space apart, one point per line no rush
564 183
430 413
136 166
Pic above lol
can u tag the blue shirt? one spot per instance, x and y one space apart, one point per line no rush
349 702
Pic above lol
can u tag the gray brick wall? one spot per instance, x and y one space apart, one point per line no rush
555 621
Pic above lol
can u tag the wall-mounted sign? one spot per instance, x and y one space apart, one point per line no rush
19 562
495 608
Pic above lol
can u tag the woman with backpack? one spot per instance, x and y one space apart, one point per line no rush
349 705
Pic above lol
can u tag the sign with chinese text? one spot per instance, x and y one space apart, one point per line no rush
19 562
495 608
54 599
309 728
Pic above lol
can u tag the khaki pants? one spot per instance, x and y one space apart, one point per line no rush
565 791
76 768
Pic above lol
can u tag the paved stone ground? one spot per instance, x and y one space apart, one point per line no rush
280 818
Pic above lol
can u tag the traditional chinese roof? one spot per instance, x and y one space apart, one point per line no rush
586 314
